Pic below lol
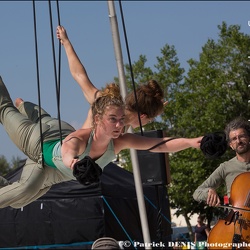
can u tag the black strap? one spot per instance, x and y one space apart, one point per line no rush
162 142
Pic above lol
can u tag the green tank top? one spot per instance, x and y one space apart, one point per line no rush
52 155
48 152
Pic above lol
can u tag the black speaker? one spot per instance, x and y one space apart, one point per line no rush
154 167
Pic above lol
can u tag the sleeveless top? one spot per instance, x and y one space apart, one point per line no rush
102 161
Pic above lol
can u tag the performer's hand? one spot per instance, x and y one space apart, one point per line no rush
213 199
61 34
74 160
195 142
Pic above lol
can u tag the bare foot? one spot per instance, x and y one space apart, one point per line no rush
18 101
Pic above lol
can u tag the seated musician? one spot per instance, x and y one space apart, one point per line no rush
238 137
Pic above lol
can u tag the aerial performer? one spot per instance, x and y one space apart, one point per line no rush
101 143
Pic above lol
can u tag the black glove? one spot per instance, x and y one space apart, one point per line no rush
87 171
214 145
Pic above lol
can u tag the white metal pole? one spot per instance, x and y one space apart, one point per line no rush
133 154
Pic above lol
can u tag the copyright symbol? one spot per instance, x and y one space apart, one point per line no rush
125 243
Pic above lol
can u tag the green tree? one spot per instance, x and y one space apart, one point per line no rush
6 167
214 92
15 162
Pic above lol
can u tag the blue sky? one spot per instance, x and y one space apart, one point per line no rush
150 25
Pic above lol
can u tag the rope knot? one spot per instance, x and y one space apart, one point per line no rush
214 145
87 171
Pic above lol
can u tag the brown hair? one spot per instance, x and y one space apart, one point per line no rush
202 217
110 95
149 97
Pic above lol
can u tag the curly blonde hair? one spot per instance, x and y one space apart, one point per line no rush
109 96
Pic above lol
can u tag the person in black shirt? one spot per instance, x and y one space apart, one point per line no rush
201 231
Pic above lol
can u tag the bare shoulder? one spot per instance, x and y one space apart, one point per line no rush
80 134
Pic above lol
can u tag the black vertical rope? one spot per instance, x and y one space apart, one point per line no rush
130 65
59 57
55 72
38 80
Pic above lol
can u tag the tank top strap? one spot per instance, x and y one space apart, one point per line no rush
88 146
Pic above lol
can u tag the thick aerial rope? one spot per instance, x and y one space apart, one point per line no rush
130 64
59 58
38 79
57 77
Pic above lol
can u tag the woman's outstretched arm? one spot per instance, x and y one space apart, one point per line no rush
76 68
165 145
